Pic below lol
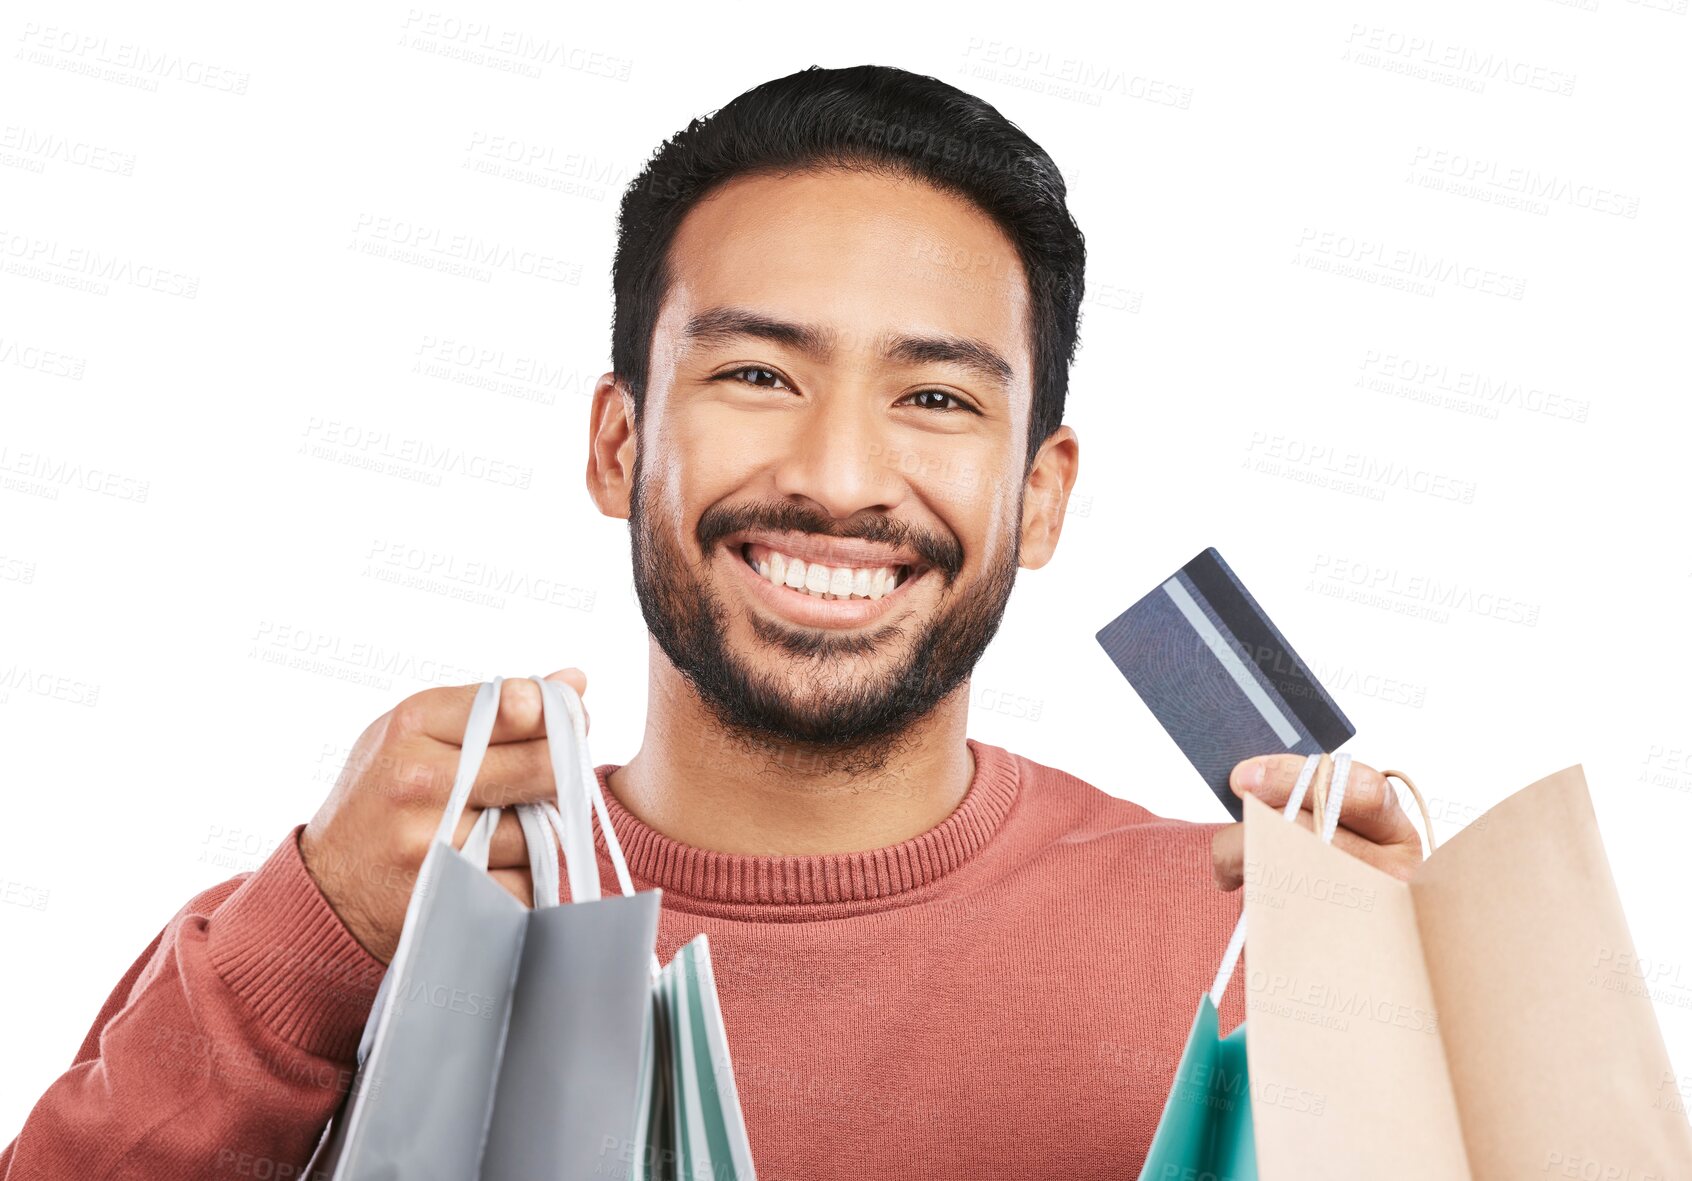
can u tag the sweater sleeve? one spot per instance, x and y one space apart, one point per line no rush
224 1049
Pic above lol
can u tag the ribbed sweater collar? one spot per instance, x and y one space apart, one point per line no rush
868 875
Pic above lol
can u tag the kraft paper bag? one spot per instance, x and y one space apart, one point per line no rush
509 1043
1460 1025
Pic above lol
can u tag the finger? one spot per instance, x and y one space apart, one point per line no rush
442 714
508 849
1371 810
1270 778
1227 856
1370 807
511 774
1228 852
517 883
514 773
507 828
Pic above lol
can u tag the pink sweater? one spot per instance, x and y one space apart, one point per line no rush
1004 996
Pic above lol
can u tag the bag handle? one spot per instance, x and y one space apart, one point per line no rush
566 735
537 836
477 732
543 853
574 784
1428 838
1329 808
480 840
570 791
575 833
572 818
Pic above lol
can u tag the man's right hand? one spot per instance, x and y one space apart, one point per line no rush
367 842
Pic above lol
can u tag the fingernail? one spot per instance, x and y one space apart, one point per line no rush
1248 776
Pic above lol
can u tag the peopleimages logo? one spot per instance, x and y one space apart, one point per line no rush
1408 263
455 1000
430 245
1422 54
87 268
91 53
1270 885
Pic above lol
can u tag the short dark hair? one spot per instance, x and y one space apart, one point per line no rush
869 118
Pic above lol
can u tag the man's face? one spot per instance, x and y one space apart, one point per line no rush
785 422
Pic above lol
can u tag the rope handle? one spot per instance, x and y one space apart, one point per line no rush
1428 837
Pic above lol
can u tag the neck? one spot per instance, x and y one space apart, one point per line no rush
697 784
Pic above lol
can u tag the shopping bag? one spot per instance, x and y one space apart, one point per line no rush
1473 1022
690 1127
508 1042
1205 1132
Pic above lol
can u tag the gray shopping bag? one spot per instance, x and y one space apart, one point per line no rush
507 1043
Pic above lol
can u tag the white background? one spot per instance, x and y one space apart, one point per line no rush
1464 502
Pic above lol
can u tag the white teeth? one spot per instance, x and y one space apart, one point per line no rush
826 582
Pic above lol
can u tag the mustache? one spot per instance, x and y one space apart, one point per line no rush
943 553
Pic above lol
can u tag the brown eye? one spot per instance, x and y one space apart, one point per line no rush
961 404
757 369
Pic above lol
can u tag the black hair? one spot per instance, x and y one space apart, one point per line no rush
869 118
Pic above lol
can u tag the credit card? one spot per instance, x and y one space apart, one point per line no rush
1219 676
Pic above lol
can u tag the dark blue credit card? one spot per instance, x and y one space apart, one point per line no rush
1219 676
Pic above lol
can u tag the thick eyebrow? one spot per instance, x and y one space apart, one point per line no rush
717 325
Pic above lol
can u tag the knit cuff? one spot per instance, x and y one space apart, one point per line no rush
281 948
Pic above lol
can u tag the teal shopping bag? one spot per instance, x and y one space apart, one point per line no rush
1205 1133
690 1126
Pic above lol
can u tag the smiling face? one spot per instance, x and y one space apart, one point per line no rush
828 498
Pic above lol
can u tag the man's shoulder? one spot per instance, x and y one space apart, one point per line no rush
1157 869
1066 801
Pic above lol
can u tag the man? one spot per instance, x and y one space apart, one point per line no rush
845 309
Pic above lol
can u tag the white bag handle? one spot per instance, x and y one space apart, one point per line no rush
477 731
537 836
1330 821
480 840
576 833
569 791
572 818
575 784
574 823
543 853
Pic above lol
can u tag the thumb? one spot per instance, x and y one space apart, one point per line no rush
1227 856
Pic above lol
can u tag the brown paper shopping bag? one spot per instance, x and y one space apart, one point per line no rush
1464 1025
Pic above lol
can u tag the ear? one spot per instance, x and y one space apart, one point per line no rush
611 447
1046 495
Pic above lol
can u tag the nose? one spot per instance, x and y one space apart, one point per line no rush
837 457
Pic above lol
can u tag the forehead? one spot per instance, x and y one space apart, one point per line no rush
862 254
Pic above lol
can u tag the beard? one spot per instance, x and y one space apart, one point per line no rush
855 708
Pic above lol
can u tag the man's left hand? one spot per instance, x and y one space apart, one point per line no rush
1372 827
